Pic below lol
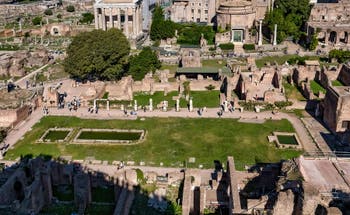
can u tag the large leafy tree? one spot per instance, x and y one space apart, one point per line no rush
98 54
161 28
143 63
290 17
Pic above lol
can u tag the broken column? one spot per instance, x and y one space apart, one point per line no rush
135 105
225 106
191 105
275 36
177 107
150 104
260 33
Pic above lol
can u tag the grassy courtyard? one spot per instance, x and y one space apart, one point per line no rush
56 135
200 98
168 140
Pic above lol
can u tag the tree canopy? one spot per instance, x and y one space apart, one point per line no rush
98 54
161 28
143 63
86 18
290 17
37 20
340 55
192 33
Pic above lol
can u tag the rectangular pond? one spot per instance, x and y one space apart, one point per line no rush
108 136
54 135
287 139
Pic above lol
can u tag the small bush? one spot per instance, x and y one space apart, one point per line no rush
283 104
227 46
70 8
59 16
210 87
37 20
48 12
248 47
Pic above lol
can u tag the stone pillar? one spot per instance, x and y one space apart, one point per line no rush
135 105
133 21
20 25
225 106
126 23
110 18
150 104
337 40
107 104
103 19
136 32
96 18
275 36
165 106
95 105
191 105
177 107
119 19
260 33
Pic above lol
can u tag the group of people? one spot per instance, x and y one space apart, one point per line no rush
74 104
45 110
93 109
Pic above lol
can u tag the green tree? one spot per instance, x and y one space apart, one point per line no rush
37 20
59 16
192 33
70 8
290 17
141 64
87 18
48 12
313 43
340 55
161 28
98 54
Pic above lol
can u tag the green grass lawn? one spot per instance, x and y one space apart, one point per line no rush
63 193
200 99
108 135
168 140
316 87
271 59
337 83
102 194
56 135
292 92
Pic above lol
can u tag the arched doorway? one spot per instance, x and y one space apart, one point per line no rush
333 37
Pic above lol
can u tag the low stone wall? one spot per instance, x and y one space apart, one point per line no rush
92 141
274 138
42 138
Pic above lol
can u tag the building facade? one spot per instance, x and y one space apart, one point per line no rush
237 17
330 21
125 15
200 11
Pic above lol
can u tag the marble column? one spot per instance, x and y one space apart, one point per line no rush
275 36
134 11
137 21
110 18
260 33
337 40
126 23
96 18
119 19
103 19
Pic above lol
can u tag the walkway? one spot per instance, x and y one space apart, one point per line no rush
22 81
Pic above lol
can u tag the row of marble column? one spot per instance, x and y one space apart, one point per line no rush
260 35
115 12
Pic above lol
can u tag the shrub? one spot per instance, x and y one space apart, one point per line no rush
227 46
70 8
37 20
283 104
249 46
48 12
59 16
210 87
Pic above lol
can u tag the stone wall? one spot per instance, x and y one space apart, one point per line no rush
11 117
344 74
